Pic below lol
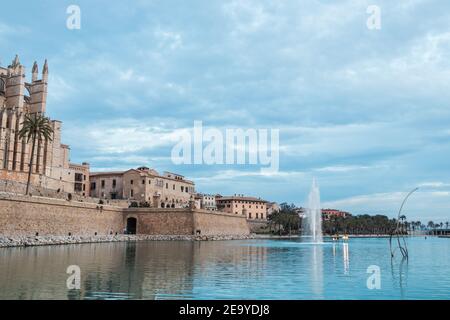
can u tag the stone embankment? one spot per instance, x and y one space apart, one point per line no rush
62 240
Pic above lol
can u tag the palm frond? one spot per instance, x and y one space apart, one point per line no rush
36 126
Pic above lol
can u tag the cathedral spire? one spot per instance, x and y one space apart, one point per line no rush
16 61
45 72
35 72
45 69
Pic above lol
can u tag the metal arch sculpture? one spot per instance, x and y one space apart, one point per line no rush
398 234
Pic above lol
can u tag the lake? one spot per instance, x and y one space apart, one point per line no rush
244 269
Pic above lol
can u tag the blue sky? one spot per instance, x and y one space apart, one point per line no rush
366 112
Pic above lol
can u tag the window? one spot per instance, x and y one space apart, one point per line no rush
114 183
257 216
250 215
182 188
174 187
167 186
149 181
103 184
132 193
93 185
131 182
143 181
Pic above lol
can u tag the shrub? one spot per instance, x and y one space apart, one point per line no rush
134 204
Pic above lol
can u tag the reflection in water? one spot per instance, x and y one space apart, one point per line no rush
150 270
108 271
346 257
248 269
399 272
317 271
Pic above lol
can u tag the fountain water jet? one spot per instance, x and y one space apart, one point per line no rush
314 214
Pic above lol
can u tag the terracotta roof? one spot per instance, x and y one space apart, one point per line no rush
237 198
110 173
142 173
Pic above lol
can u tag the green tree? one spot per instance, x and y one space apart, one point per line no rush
287 219
36 127
360 224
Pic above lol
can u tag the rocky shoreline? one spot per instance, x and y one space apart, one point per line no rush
268 236
6 242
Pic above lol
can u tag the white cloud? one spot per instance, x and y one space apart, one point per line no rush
7 31
223 175
434 184
422 205
59 89
124 136
247 16
347 140
338 169
168 39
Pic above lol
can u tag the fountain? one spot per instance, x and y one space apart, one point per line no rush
314 214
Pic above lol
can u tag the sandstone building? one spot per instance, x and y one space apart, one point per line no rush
51 167
205 201
252 208
272 207
143 185
327 214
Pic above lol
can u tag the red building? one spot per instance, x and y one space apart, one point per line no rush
328 213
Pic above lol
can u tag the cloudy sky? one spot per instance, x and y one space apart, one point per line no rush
366 112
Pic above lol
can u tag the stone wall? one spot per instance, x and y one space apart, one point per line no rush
215 223
186 222
26 216
18 188
161 221
258 226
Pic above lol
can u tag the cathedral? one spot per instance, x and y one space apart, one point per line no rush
51 169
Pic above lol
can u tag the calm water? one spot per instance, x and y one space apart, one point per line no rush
251 269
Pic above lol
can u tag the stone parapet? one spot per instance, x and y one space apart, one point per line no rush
25 216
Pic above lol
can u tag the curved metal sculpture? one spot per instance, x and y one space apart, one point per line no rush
398 232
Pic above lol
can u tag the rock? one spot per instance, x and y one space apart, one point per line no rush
60 240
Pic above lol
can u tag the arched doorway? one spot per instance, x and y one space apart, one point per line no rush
131 226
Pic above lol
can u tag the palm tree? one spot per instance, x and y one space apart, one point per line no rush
403 225
35 127
446 225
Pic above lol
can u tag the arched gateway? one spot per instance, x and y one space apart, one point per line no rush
131 225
